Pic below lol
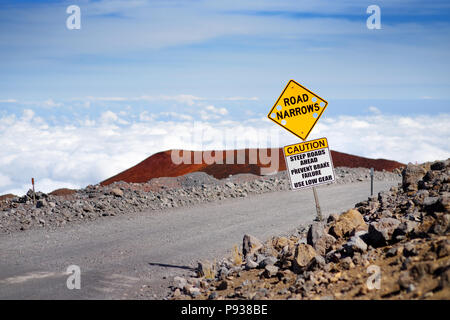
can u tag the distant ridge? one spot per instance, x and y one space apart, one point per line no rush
160 165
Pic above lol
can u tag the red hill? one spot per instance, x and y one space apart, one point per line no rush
161 165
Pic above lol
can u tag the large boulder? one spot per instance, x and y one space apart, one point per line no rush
437 165
250 245
347 223
304 253
315 232
319 238
381 232
411 175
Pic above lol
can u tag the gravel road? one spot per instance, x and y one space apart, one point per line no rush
136 256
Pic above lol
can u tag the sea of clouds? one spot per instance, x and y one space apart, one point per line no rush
88 148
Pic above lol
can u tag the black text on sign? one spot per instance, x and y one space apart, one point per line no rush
309 163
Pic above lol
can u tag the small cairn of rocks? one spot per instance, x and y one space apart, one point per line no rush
393 246
97 201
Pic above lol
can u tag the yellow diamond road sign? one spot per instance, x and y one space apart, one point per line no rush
297 109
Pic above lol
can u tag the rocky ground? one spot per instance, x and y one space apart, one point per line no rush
96 201
392 246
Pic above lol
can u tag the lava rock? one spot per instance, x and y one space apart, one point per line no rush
270 271
250 245
304 253
250 264
116 192
348 222
269 261
411 176
380 233
356 244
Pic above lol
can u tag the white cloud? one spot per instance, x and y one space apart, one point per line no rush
4 180
409 122
145 116
211 112
108 116
176 115
8 101
111 117
359 124
87 122
28 114
374 110
50 103
406 139
221 111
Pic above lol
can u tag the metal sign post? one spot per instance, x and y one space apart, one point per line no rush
34 193
371 181
316 198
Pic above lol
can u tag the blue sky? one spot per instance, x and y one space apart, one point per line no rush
163 64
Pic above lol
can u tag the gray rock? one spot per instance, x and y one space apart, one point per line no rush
429 201
380 233
230 185
194 292
409 250
316 263
356 244
269 261
204 267
405 228
223 272
88 208
250 245
270 271
411 176
315 232
250 264
117 192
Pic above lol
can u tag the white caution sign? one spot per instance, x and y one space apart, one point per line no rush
309 164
